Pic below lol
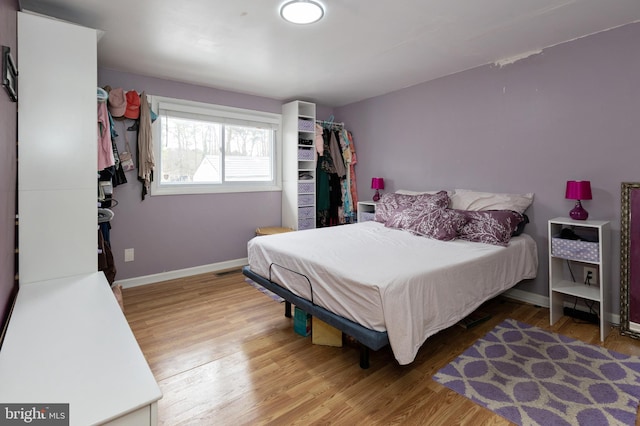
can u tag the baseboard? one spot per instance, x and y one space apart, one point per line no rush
539 300
514 293
181 273
528 297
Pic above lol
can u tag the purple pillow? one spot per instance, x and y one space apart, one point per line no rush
439 223
428 201
490 226
390 202
427 221
402 217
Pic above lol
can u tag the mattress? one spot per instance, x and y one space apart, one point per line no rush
391 280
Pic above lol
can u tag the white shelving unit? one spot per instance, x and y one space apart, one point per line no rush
365 207
299 165
563 283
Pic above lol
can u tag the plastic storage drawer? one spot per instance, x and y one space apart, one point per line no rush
306 212
306 200
306 154
575 250
306 125
306 187
306 223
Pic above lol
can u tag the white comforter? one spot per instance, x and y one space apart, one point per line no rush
389 279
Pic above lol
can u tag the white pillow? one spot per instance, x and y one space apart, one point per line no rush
465 199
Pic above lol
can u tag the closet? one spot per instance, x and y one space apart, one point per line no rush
336 195
318 179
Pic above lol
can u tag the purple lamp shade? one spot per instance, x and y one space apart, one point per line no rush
377 183
578 190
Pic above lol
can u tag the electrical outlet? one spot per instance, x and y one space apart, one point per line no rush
590 275
128 255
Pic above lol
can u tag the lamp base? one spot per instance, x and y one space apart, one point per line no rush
376 196
578 213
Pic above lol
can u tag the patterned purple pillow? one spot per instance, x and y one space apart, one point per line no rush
428 201
427 221
439 223
490 226
390 202
402 218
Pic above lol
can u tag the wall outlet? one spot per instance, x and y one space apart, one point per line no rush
590 275
128 255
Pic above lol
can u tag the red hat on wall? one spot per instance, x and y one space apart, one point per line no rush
133 105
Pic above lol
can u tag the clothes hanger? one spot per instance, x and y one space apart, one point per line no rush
328 124
102 95
105 215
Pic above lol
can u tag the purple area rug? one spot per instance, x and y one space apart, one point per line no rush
535 377
264 291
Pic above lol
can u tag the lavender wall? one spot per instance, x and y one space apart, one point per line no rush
572 112
175 232
8 165
568 113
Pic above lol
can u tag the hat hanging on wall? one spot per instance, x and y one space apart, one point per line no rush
117 102
133 105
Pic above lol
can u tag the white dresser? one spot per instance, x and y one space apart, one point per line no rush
69 342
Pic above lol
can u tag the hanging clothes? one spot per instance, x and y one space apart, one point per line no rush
335 148
319 141
352 175
328 192
347 202
146 161
105 148
113 173
105 259
336 155
119 177
335 200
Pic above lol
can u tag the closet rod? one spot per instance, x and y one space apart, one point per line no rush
331 123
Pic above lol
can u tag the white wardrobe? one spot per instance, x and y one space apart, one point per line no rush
57 150
67 339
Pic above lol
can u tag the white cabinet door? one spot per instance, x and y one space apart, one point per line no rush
57 127
57 148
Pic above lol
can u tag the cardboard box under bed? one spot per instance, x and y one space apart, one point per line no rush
368 339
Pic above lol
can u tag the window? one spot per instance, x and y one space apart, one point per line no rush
203 148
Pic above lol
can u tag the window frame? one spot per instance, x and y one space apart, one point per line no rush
199 109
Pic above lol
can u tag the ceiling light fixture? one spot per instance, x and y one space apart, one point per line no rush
302 11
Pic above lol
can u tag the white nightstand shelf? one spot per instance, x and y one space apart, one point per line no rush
365 207
567 262
577 289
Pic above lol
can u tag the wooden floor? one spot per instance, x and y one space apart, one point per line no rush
224 354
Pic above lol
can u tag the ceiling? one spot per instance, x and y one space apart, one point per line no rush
361 49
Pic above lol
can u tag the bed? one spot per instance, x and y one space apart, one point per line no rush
382 282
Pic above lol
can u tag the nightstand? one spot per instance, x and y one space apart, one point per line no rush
366 210
580 267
